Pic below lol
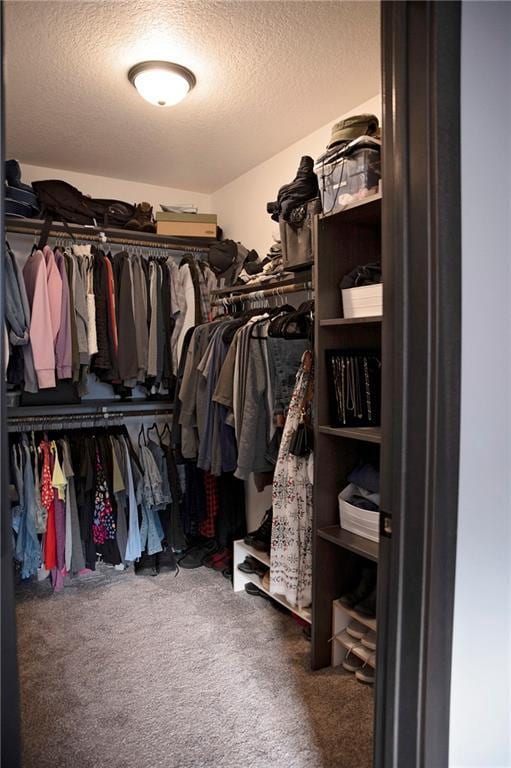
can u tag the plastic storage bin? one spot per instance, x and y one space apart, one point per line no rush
362 522
349 174
365 301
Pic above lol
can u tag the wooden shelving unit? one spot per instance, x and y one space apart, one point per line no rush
343 239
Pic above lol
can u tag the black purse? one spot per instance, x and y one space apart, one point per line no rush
302 442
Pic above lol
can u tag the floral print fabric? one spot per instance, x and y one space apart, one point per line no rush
291 542
103 527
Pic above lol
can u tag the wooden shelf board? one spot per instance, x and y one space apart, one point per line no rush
350 320
337 535
359 206
263 557
371 623
359 650
367 434
303 613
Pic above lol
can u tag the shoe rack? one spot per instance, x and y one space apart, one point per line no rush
240 551
342 240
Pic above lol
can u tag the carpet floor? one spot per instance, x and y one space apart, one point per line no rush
125 671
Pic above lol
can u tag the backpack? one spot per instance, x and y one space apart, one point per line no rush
61 201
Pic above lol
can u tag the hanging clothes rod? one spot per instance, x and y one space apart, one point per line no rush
254 295
33 228
58 423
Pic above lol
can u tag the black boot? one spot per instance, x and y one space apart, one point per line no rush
261 539
363 589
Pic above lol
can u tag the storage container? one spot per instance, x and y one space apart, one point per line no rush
362 522
186 229
348 174
365 301
297 246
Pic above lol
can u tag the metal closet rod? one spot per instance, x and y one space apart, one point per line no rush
78 421
293 288
104 238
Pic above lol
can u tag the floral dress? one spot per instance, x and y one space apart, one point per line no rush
291 542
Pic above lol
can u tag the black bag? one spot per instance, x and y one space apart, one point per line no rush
302 441
61 201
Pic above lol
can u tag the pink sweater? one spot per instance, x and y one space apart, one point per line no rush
41 332
54 281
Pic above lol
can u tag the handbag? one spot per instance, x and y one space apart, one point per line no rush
302 441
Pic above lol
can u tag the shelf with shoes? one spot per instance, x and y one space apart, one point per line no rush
240 552
343 240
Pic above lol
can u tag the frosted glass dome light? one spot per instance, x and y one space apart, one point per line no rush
161 82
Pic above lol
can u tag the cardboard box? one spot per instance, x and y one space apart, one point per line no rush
193 218
186 229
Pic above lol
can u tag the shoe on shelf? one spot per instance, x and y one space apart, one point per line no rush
367 607
357 630
364 588
366 674
351 662
251 565
251 589
369 640
261 539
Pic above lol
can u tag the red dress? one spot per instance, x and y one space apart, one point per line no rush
48 501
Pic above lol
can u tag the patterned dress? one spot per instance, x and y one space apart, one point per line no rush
48 501
103 526
291 542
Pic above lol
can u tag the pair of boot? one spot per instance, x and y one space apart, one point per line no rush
142 220
363 598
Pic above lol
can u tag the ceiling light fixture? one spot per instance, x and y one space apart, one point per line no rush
161 82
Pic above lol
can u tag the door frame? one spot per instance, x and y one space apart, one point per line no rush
421 253
9 688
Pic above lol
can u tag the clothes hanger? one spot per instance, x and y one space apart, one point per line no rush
155 427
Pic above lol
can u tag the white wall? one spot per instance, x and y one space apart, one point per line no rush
481 673
241 205
117 189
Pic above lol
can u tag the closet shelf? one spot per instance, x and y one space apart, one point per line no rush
263 557
366 434
341 538
33 227
359 650
371 623
350 320
303 613
366 210
239 290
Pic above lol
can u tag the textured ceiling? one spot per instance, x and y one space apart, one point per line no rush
268 73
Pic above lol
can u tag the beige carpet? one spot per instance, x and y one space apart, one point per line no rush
121 671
